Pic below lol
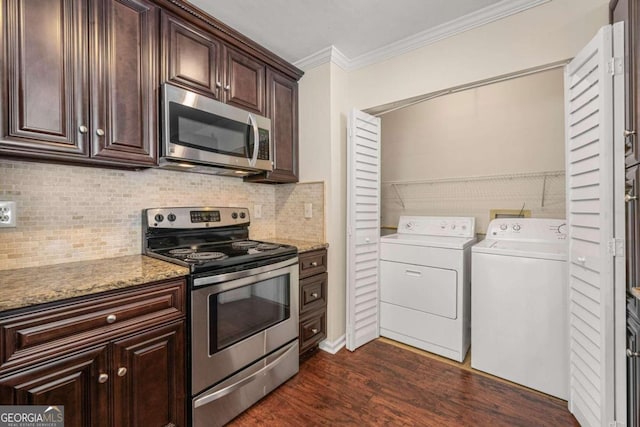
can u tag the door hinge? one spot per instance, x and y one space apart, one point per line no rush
615 66
616 247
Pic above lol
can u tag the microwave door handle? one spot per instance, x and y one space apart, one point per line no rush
256 141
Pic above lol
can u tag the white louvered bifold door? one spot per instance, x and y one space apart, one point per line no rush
590 216
363 229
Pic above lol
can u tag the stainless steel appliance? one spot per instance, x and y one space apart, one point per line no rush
243 306
200 134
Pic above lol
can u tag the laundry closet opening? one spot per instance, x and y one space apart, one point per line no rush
498 145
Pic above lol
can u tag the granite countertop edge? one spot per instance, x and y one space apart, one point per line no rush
31 286
302 245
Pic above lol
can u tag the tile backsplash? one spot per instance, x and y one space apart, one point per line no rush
74 213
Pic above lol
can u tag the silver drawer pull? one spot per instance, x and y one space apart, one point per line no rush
632 353
99 132
314 331
314 295
227 87
122 371
103 378
83 129
628 133
218 85
111 318
314 264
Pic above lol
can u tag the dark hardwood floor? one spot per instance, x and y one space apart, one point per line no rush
383 384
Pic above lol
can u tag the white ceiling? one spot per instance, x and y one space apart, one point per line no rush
365 30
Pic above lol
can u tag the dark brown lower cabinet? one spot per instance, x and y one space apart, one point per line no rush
71 381
312 299
120 364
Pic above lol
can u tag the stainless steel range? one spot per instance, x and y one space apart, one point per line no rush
243 306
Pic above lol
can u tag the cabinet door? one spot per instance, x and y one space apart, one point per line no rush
149 378
123 58
244 81
190 57
46 87
73 381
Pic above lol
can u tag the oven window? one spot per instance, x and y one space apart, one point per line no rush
242 312
205 131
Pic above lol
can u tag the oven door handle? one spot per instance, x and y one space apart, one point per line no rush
217 394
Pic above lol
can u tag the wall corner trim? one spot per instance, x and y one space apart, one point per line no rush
333 347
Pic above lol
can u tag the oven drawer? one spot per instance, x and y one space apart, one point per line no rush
313 329
71 325
313 293
312 263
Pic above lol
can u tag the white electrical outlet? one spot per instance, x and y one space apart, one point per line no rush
7 214
257 211
308 210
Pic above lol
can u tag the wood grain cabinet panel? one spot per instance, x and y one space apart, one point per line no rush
125 370
632 190
72 381
191 57
149 382
244 81
81 80
313 299
282 108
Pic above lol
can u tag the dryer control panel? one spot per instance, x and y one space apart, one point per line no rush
437 226
535 229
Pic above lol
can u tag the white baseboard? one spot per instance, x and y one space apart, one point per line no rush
333 347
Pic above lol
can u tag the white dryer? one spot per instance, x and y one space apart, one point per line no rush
424 284
519 303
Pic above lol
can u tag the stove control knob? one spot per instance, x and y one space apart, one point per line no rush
171 217
234 215
159 217
243 215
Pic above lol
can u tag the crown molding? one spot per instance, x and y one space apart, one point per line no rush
328 54
473 20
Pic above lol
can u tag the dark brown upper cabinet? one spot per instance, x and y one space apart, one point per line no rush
197 60
282 108
80 80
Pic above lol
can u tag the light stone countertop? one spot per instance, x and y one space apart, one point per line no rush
302 245
25 287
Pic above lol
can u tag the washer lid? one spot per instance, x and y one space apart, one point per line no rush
551 251
429 241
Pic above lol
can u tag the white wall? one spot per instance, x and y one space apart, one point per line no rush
552 32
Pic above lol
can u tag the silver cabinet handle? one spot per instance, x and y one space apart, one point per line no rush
111 318
218 85
628 197
314 331
314 295
227 87
122 371
103 378
632 353
99 132
83 129
628 133
314 264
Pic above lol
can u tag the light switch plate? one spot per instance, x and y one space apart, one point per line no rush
7 214
308 210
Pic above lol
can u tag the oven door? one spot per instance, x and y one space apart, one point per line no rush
239 318
202 130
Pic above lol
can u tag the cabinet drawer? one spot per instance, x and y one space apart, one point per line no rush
313 329
313 293
39 333
314 262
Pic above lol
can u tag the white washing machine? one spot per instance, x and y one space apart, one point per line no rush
519 303
424 284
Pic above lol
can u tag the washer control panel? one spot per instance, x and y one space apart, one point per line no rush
543 229
437 226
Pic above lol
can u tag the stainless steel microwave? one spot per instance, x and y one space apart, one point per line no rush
201 134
